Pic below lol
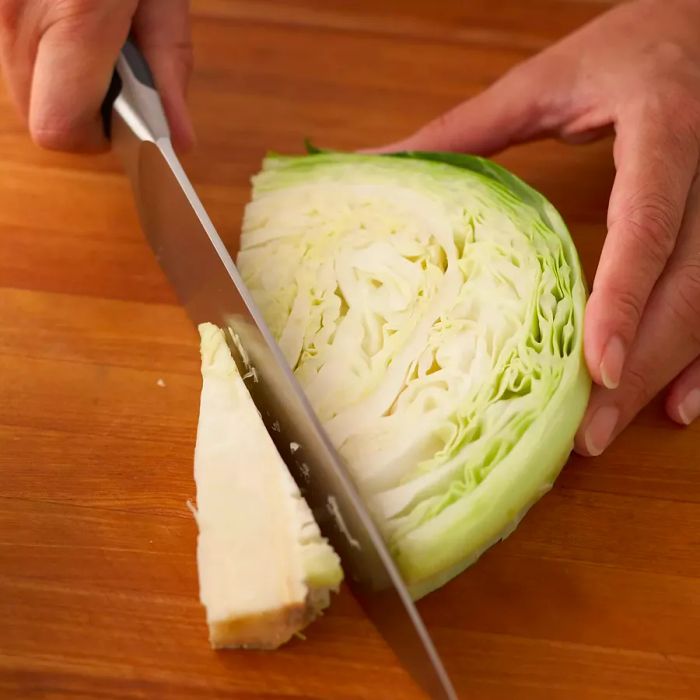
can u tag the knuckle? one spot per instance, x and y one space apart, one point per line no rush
637 387
74 18
629 308
178 54
656 214
68 136
52 133
677 102
667 55
681 107
665 58
686 297
71 9
654 238
185 54
651 226
51 139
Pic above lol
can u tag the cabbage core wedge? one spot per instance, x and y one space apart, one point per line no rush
265 572
431 306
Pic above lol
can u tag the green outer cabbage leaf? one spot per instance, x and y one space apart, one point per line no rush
431 305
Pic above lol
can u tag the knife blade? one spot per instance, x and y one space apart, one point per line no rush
207 282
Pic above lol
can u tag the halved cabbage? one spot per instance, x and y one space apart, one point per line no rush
431 306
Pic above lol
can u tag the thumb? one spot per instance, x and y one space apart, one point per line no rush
516 108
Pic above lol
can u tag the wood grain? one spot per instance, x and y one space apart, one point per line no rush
596 595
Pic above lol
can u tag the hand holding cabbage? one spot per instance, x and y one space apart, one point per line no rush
431 305
636 70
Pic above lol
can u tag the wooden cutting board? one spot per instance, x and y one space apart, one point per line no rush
596 595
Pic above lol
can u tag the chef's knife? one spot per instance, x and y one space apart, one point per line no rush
208 284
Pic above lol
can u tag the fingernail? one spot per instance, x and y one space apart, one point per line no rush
612 362
600 429
689 408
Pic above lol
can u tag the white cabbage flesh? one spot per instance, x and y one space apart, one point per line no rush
265 572
431 306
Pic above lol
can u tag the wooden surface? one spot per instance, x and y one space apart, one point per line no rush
596 595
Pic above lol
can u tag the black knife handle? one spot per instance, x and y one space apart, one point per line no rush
115 87
138 64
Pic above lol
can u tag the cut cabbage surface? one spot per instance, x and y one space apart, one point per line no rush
431 306
265 572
